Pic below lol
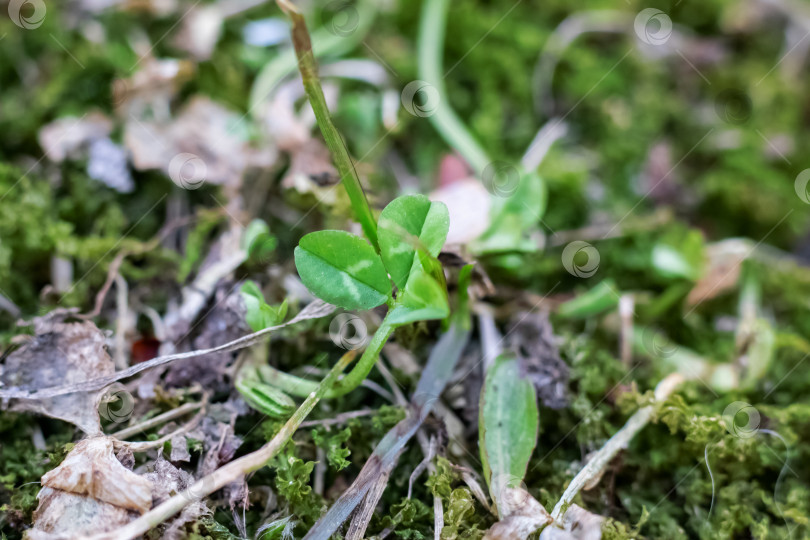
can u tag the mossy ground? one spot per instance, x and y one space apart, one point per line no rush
617 106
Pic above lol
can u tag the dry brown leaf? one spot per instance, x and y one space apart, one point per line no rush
92 469
723 265
205 136
61 353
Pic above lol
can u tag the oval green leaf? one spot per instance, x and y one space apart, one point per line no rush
407 222
508 425
342 269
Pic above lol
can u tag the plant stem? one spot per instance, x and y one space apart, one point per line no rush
337 147
230 472
431 43
300 387
324 43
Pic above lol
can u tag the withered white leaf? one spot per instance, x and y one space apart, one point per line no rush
62 515
521 515
92 469
61 353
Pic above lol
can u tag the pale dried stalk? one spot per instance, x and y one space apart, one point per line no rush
157 420
619 441
143 446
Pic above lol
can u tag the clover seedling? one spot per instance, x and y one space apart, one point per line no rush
343 269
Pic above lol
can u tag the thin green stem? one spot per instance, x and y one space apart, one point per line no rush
431 47
325 42
300 387
337 147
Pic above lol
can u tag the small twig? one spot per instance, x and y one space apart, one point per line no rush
619 441
392 382
320 470
341 418
422 465
157 420
438 518
143 446
122 307
227 473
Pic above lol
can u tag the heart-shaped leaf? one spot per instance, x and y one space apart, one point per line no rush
409 222
342 269
422 299
508 424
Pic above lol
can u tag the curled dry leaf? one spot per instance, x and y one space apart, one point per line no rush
521 515
61 353
92 469
88 493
